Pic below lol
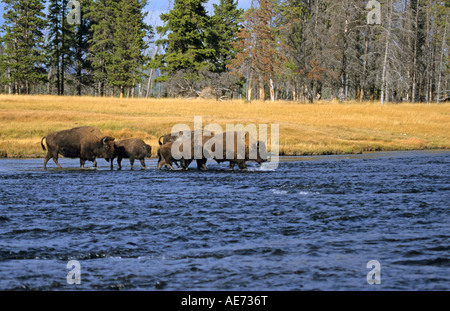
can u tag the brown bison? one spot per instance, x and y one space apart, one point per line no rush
241 150
132 148
86 143
165 156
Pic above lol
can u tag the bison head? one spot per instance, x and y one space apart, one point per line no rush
108 147
147 150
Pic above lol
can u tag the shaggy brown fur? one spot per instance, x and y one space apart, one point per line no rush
86 143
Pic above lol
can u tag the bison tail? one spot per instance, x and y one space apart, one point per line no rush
42 143
159 140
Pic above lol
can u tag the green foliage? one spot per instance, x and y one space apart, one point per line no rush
82 36
117 42
60 39
295 49
225 24
127 59
187 25
23 42
102 18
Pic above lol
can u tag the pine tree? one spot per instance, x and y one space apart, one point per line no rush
60 41
82 35
125 69
186 28
225 24
23 41
101 14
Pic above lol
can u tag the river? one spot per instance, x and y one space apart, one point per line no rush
312 224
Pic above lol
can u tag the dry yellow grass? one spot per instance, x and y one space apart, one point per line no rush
320 128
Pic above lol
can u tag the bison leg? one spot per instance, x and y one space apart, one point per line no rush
131 162
185 164
55 159
94 163
242 165
82 163
119 162
45 161
142 163
169 166
161 162
232 165
48 157
201 164
168 163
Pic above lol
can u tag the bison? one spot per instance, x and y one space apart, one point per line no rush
241 151
85 142
166 156
166 153
132 148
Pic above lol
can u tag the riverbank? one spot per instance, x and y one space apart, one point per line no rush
305 129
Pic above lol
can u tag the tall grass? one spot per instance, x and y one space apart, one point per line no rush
305 129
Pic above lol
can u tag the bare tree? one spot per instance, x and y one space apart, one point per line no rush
440 63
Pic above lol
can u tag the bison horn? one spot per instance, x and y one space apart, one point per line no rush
106 139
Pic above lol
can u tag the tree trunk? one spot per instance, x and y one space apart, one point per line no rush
149 83
48 78
386 50
440 63
62 50
366 49
416 34
249 86
294 93
100 88
9 82
262 95
58 84
272 92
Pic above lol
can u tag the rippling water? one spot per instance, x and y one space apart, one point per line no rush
314 223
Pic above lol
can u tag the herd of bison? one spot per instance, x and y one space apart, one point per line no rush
89 143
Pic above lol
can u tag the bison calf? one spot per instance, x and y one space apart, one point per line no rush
165 155
133 148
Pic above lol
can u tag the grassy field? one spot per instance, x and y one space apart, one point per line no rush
305 129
